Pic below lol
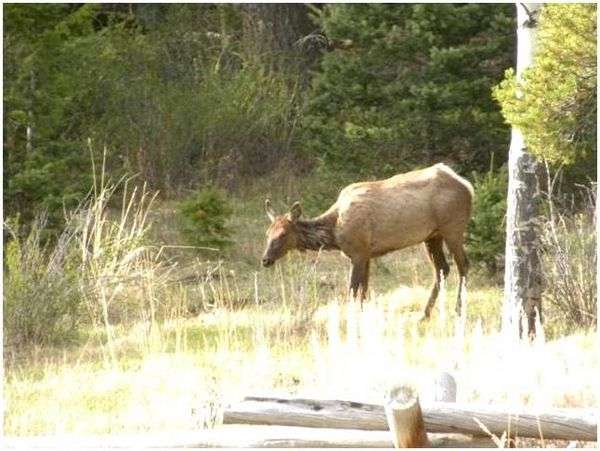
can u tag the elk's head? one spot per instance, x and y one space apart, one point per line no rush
282 234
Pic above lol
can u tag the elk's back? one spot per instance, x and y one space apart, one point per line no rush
381 216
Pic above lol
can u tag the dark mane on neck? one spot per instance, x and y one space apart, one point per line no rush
316 234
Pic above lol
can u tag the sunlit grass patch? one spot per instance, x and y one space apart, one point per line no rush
234 329
335 350
57 402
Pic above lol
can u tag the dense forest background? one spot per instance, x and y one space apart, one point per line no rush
190 95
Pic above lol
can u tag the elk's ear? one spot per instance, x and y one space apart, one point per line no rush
269 210
295 211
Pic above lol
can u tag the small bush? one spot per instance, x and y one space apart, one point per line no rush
99 271
486 236
203 219
568 254
42 302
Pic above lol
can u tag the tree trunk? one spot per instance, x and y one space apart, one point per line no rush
271 33
522 276
29 131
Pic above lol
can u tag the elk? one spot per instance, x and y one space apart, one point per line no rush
371 219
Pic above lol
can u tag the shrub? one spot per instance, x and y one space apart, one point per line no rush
99 271
42 302
568 254
178 118
203 219
486 236
323 187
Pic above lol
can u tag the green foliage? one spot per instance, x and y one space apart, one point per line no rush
182 108
203 219
54 179
411 87
555 103
48 76
486 235
324 186
164 87
42 302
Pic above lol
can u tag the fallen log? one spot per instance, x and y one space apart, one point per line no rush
565 424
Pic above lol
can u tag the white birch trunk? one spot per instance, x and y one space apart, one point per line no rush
29 130
522 277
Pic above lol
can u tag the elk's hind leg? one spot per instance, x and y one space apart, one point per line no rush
455 246
359 278
435 252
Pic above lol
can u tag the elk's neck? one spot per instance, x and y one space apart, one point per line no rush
317 233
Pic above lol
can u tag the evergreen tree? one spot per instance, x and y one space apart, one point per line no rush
556 107
411 86
48 72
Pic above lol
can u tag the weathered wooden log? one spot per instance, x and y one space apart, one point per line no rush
239 436
567 424
404 418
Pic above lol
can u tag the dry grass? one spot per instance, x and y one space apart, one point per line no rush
288 330
178 375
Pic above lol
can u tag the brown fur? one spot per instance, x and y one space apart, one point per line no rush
370 219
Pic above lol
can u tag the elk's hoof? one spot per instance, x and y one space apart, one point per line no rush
425 318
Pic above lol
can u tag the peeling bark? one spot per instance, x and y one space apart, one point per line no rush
522 277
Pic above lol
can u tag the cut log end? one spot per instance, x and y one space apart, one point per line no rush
402 397
405 419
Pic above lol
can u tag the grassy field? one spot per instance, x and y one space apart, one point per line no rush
286 330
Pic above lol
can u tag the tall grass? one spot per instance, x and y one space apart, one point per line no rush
121 276
170 341
322 347
42 302
569 258
98 272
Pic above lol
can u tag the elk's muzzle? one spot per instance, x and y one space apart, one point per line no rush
266 262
